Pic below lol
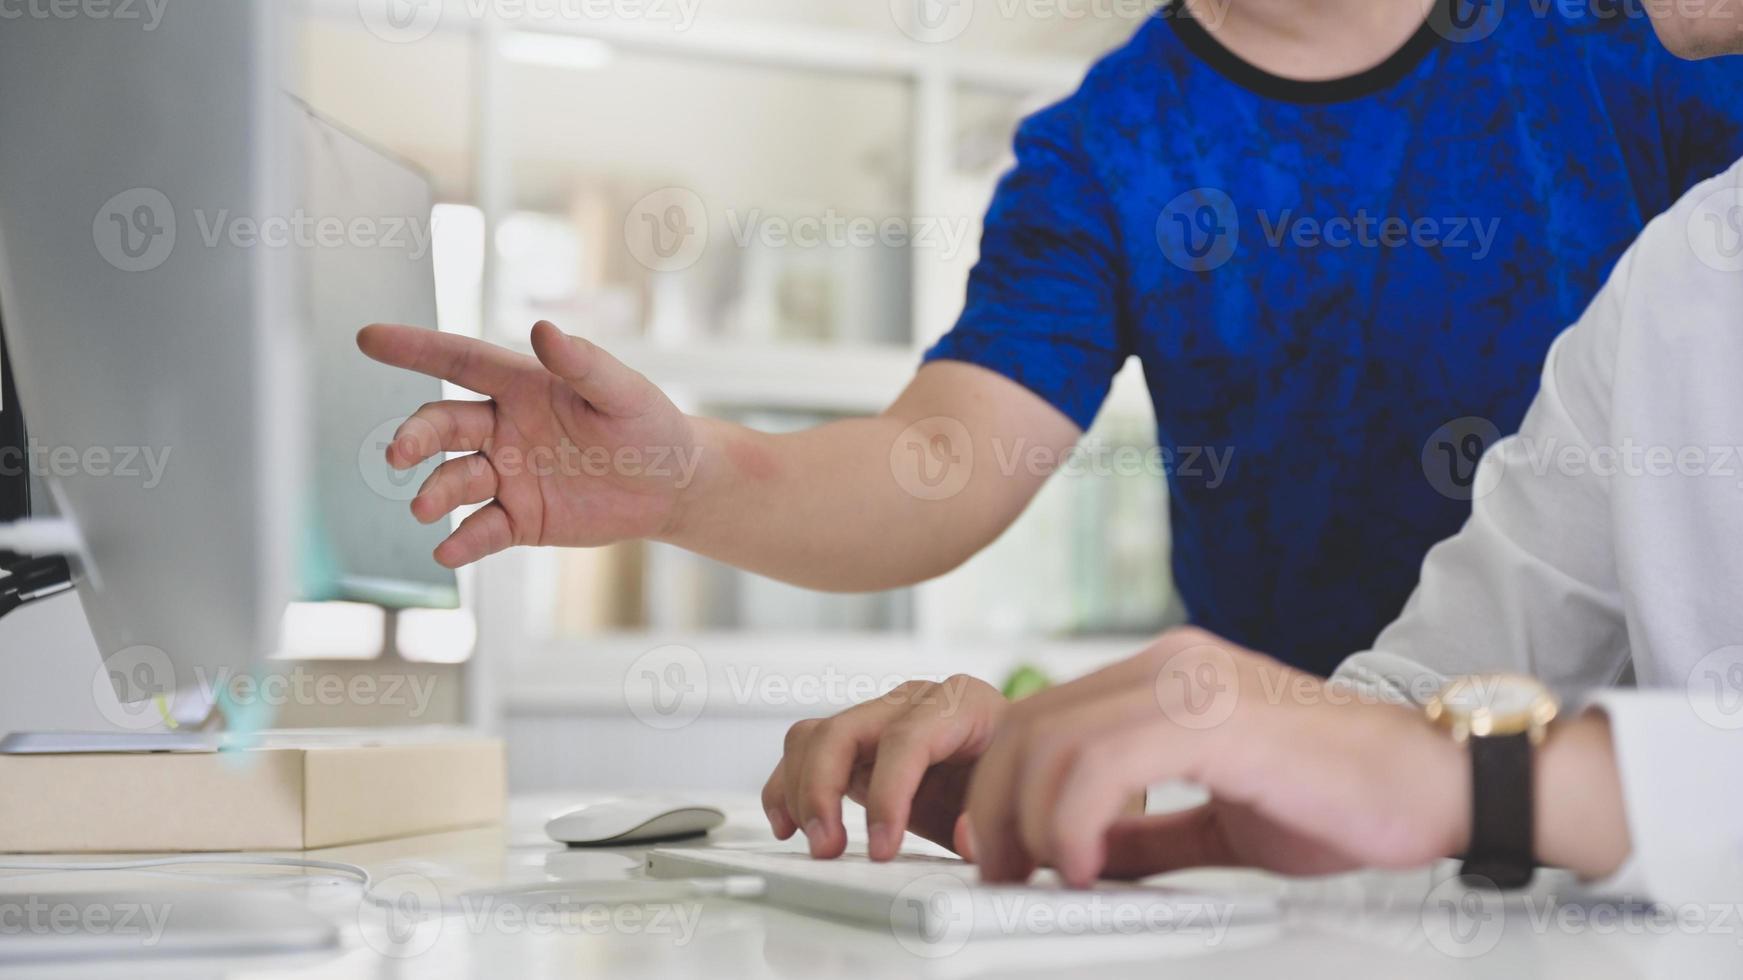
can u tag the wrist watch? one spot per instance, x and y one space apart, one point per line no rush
1501 718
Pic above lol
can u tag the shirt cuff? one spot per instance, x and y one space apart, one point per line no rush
1682 788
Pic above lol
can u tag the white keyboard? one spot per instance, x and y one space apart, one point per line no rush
940 902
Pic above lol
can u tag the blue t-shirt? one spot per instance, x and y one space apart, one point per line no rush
1323 279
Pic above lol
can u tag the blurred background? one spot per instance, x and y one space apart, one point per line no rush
770 207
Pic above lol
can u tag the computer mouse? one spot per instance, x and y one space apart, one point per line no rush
632 821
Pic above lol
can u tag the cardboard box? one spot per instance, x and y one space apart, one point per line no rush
289 792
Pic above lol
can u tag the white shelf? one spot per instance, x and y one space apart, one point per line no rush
785 45
849 379
860 379
856 379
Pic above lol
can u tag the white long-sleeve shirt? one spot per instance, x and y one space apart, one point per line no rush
1608 534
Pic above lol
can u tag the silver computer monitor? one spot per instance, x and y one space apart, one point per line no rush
184 353
156 350
367 258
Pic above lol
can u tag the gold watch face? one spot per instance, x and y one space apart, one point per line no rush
1485 705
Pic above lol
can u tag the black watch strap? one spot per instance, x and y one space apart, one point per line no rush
1502 814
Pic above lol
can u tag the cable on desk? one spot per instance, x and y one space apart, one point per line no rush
357 872
626 891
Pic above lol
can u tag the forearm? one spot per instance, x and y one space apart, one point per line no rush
818 508
874 503
1581 822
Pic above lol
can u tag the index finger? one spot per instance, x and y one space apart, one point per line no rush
469 363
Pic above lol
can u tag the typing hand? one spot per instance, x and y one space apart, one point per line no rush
1304 777
573 448
906 756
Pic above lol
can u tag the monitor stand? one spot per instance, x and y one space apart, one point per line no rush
86 743
205 734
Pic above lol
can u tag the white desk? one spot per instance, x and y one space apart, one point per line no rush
1352 926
